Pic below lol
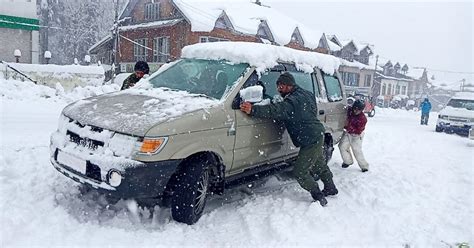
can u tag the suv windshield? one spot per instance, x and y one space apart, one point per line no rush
208 77
461 103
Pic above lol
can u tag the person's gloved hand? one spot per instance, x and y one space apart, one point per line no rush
246 107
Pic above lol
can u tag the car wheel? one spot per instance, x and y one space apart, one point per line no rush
190 192
438 129
372 113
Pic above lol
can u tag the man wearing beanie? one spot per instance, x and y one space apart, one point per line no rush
298 111
141 68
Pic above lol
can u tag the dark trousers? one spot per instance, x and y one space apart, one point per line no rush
424 118
311 161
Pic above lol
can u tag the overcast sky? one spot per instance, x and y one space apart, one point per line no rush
438 35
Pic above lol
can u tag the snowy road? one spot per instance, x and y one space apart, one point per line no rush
419 191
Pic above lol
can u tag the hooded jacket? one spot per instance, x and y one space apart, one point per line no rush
355 123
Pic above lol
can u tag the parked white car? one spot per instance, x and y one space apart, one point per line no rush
458 115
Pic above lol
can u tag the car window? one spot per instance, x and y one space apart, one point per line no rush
461 103
269 79
304 80
333 87
209 77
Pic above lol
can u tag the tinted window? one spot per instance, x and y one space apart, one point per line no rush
333 88
304 80
269 79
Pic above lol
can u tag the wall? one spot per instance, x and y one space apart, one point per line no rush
12 39
21 8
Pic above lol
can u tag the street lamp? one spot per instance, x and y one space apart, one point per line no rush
47 56
17 54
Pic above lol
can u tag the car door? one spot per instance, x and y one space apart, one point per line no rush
258 141
331 103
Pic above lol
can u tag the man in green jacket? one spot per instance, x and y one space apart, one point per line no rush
298 111
141 68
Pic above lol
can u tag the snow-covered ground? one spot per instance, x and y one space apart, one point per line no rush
418 192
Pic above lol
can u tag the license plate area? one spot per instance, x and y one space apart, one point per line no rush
72 162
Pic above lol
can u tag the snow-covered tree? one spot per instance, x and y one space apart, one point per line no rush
72 26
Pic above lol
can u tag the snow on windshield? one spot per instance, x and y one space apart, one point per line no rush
262 56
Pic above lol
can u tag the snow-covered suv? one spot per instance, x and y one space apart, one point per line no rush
180 135
458 115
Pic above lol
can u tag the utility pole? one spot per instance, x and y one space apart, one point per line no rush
115 37
462 84
375 91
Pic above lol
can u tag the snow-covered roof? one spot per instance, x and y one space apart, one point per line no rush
100 42
245 17
332 45
262 56
151 24
357 64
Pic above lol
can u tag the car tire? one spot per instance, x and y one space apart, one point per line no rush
371 113
438 129
190 192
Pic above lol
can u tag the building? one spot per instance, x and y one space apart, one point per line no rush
19 27
156 31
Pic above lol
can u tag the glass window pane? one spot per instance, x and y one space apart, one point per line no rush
333 88
304 80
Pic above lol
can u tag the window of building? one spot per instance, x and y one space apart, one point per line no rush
404 90
389 92
152 11
204 39
161 49
397 90
140 51
333 88
367 81
350 78
384 89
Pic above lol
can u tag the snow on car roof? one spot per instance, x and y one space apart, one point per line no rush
464 95
262 56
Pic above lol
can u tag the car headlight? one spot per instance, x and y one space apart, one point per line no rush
114 178
151 146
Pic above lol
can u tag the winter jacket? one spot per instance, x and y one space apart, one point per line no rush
298 111
355 123
130 81
425 107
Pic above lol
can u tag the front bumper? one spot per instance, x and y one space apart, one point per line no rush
142 180
461 129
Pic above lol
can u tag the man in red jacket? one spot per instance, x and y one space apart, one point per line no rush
353 136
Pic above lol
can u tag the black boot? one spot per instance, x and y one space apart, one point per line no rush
345 165
319 196
330 188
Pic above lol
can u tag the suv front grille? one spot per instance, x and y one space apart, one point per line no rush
85 142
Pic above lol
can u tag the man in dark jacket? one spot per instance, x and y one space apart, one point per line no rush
141 68
353 137
298 111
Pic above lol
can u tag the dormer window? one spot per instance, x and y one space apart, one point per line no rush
152 11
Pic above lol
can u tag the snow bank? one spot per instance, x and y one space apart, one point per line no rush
30 92
69 76
262 56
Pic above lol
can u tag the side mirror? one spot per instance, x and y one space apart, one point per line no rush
252 94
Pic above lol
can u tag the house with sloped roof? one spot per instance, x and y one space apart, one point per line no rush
156 31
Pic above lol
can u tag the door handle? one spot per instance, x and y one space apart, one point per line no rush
231 131
321 112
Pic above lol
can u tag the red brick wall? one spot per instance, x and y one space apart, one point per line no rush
166 10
